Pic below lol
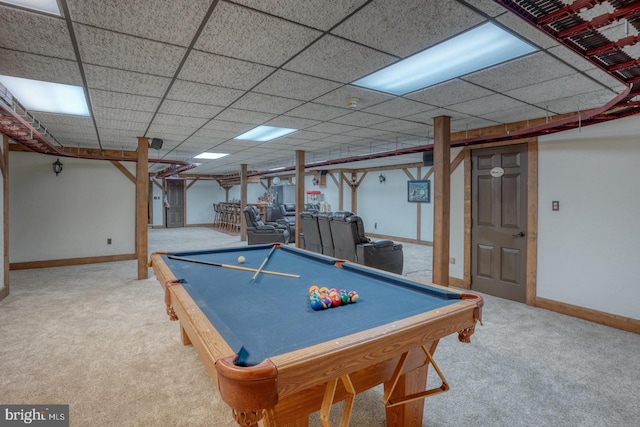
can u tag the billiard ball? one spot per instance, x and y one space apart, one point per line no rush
313 288
344 297
335 299
353 297
241 259
326 302
316 304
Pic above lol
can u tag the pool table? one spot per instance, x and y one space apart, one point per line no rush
273 358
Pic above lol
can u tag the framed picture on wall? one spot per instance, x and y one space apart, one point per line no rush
419 191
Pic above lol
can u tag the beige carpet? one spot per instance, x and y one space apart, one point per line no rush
95 338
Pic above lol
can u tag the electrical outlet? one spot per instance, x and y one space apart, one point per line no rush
109 241
452 260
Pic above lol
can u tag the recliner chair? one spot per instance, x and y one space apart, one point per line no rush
325 232
288 211
310 232
350 243
259 232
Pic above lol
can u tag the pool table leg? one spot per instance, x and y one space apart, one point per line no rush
184 337
414 381
409 414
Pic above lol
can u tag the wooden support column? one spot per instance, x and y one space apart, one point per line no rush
243 201
354 192
142 207
442 196
299 193
4 289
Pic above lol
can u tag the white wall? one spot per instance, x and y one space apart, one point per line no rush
199 201
70 215
588 251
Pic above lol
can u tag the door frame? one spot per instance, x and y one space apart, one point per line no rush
532 214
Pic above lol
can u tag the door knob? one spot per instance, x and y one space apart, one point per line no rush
520 234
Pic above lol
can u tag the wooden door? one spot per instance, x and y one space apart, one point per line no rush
174 204
499 220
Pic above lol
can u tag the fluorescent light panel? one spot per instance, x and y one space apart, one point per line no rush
265 133
210 156
47 97
47 6
473 50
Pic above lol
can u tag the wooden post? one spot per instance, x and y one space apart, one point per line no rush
142 207
354 192
299 193
442 196
243 201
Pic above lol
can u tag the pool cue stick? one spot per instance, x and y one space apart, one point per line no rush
233 267
273 248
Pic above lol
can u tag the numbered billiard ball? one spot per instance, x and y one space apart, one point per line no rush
335 299
353 297
326 302
241 259
316 304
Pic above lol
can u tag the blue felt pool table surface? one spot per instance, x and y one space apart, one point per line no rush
271 315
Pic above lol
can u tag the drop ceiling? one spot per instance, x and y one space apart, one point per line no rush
197 73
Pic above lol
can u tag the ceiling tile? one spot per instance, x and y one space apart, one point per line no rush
125 81
151 19
358 118
377 24
398 107
521 72
516 114
244 116
339 60
293 85
219 70
478 106
189 109
365 97
203 94
581 102
110 49
312 110
292 122
38 67
331 128
35 33
553 89
179 121
239 32
265 103
321 14
103 98
120 114
449 93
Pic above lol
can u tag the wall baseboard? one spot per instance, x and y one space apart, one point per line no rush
613 320
70 261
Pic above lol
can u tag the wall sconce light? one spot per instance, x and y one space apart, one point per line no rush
382 178
57 167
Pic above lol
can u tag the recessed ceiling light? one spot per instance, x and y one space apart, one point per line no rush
210 156
473 50
36 95
47 6
265 133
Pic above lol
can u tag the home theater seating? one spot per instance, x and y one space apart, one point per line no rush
341 235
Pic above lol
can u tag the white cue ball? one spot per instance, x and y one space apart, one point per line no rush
240 260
